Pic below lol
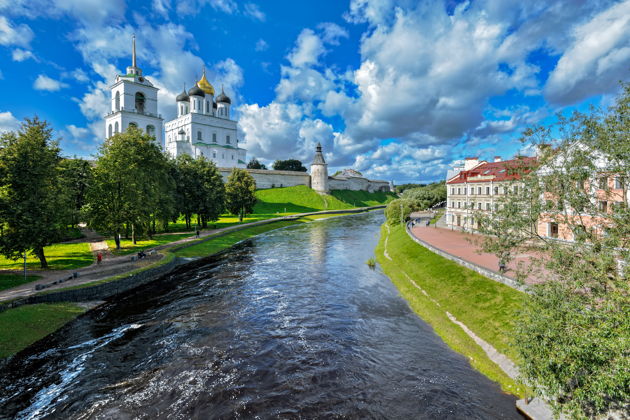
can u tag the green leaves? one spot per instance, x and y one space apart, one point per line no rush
239 193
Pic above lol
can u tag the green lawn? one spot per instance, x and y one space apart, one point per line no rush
487 307
59 257
22 326
363 198
8 281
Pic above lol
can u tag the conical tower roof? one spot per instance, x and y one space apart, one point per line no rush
319 157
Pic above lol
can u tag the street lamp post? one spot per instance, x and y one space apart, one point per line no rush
25 266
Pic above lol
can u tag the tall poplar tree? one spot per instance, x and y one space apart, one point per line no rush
32 208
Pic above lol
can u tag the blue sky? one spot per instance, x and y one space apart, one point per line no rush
396 89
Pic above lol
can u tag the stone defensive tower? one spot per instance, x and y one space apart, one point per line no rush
319 172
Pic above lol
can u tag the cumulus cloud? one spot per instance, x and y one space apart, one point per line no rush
598 57
44 82
332 33
19 54
10 34
8 122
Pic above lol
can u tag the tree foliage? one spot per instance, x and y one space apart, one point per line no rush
398 210
75 178
426 196
239 191
132 185
289 165
255 164
573 332
33 210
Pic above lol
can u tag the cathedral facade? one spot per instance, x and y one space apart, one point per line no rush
203 126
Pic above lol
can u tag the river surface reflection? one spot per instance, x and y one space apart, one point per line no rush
290 324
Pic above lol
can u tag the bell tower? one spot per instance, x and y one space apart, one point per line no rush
133 102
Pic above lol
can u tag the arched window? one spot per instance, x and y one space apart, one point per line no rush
207 107
140 102
198 135
109 131
133 124
151 130
117 102
116 127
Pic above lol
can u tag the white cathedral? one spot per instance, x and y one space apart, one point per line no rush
202 128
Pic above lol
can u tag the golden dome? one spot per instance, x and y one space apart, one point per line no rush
205 85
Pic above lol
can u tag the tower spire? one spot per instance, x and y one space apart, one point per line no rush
133 52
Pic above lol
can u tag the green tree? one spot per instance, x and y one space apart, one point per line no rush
254 164
75 177
240 193
289 165
398 210
574 330
131 185
32 208
426 196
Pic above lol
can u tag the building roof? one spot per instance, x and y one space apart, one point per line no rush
507 170
318 159
205 85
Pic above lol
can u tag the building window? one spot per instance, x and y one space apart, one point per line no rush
515 189
109 131
479 190
619 181
603 183
496 207
478 206
487 206
232 157
496 190
133 124
116 127
505 190
207 107
214 154
117 102
459 191
140 102
553 230
151 130
459 204
214 137
452 191
487 190
227 139
198 135
603 206
472 190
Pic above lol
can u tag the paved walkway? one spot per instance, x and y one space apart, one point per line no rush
467 247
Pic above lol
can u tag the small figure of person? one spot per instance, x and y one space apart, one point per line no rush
428 222
141 255
197 232
502 267
99 258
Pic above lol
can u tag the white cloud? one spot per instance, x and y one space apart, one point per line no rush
253 10
44 82
19 54
307 50
597 59
261 45
8 122
332 33
162 7
20 35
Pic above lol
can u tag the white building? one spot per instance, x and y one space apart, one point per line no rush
203 127
133 103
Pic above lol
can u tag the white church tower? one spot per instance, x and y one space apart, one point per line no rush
133 103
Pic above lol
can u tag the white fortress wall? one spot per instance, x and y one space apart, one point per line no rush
273 179
357 184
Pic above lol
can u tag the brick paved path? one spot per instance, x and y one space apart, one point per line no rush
465 246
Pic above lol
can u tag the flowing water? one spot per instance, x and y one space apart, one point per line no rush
290 324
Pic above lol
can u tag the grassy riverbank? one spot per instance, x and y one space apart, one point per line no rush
21 327
486 307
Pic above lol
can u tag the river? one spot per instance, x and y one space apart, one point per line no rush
292 323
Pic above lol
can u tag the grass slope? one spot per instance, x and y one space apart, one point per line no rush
20 327
302 199
59 257
127 247
8 281
487 307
